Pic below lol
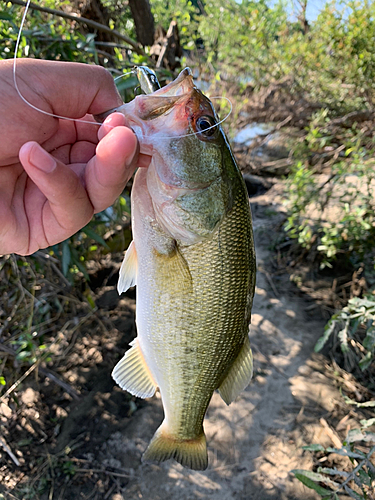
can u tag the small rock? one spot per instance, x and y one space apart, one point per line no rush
61 412
5 410
29 396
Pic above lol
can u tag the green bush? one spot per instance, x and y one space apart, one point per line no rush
245 40
359 482
333 211
44 36
354 327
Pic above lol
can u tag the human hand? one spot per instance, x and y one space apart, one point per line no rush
54 175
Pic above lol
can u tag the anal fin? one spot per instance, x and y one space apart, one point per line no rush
239 375
133 375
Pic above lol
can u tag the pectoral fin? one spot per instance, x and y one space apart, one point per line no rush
133 375
174 270
128 271
239 374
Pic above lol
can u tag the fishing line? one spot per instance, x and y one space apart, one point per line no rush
123 75
115 79
24 98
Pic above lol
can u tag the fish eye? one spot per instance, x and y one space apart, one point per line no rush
204 124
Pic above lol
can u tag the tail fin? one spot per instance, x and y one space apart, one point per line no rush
191 453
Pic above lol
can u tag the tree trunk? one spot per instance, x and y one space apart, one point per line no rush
95 11
143 20
302 16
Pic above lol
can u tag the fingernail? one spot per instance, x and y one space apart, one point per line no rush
40 159
101 117
115 120
112 121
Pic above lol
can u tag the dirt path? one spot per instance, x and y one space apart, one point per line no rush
256 441
90 447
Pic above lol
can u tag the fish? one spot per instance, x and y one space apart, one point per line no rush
192 260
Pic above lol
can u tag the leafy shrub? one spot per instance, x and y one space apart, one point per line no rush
334 210
245 39
359 482
354 327
44 36
185 13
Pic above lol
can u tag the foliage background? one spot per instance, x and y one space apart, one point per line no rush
324 73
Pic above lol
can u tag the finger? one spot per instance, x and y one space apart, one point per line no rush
116 120
112 166
80 152
9 233
70 132
74 142
62 88
74 89
66 207
112 121
13 220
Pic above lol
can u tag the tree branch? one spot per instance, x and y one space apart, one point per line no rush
93 24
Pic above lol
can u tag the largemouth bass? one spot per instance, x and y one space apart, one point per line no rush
192 259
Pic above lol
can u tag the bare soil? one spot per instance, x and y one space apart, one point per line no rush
85 441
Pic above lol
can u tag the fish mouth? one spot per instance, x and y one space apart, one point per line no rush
181 85
160 102
189 107
180 102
